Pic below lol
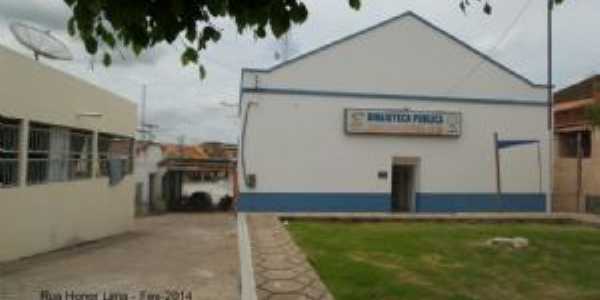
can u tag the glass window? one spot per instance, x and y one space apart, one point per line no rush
111 147
60 141
569 146
9 152
80 155
58 154
38 154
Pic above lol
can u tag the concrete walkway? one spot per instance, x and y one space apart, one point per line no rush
178 253
281 270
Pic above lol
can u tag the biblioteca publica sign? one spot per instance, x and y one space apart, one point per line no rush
402 122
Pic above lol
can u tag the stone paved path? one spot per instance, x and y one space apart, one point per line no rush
280 268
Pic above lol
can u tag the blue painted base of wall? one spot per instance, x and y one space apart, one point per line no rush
425 202
314 202
435 203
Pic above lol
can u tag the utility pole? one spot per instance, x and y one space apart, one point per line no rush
284 53
143 117
580 205
145 129
550 112
180 144
143 133
550 95
286 46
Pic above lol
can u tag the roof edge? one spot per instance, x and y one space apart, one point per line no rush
385 22
413 97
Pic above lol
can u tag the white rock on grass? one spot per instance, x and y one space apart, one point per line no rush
515 242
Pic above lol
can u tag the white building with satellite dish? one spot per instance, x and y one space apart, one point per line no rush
392 119
65 153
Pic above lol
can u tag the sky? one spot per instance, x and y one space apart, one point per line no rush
183 105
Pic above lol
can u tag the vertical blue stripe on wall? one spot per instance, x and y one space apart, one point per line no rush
314 202
485 202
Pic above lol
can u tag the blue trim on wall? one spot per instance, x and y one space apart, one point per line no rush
381 202
322 93
314 202
403 15
484 202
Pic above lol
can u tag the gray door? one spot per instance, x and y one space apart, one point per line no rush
402 187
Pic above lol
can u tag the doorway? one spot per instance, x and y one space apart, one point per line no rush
151 190
403 187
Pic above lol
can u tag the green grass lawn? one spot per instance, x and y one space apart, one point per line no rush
369 261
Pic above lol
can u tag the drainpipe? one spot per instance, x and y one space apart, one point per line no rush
243 141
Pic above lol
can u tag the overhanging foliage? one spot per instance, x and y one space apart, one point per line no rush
104 25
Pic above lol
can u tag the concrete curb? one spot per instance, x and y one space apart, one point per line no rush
248 284
554 218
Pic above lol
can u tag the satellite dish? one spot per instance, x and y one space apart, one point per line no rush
41 42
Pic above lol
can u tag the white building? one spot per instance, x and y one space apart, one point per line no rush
148 175
400 116
60 139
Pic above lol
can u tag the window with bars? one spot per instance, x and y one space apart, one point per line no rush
80 155
38 154
114 148
58 154
9 152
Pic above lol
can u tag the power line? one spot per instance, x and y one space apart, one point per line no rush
501 40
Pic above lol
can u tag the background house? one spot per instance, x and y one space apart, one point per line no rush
65 159
577 148
194 172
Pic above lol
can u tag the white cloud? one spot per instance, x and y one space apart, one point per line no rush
183 105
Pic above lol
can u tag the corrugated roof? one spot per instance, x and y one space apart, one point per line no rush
584 89
210 151
184 151
570 105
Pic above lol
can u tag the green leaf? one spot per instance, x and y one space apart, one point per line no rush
216 7
299 14
211 33
202 72
91 45
107 59
142 24
261 32
190 55
487 8
71 27
191 33
109 39
137 48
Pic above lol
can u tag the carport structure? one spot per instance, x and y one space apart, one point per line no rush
179 171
